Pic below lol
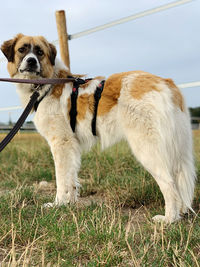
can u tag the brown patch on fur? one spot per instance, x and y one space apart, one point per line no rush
82 106
143 84
62 74
68 107
85 103
58 89
111 92
177 97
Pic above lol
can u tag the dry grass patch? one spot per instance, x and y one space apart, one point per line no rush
110 226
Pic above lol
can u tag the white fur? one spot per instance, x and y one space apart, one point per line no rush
157 131
23 64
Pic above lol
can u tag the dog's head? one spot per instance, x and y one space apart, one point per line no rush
29 56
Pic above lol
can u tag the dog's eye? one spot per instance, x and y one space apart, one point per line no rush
40 52
21 49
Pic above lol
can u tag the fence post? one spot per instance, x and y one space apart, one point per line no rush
63 37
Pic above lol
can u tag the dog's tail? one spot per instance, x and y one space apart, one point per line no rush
186 182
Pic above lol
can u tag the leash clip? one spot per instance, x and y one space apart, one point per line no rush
37 87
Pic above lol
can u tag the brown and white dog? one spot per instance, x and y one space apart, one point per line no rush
146 110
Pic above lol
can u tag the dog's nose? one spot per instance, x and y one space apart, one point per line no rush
32 61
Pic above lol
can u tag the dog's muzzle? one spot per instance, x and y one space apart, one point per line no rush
30 64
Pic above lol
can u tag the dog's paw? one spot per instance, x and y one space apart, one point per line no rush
164 219
159 218
62 200
55 204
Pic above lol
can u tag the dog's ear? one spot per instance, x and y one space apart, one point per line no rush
8 47
52 54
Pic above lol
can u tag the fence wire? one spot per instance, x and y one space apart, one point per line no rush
129 18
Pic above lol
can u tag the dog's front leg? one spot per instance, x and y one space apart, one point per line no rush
66 154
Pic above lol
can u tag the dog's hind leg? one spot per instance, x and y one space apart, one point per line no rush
150 152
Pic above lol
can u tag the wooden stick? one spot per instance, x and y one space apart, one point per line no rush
63 37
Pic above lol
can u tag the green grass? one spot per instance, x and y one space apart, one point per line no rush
110 226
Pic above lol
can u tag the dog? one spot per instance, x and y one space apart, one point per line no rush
147 111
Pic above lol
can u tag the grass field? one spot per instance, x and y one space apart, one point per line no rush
110 226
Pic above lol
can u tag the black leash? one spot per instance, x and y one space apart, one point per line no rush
20 121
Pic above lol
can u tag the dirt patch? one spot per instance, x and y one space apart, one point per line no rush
87 201
44 187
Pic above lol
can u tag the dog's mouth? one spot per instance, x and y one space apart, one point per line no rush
29 70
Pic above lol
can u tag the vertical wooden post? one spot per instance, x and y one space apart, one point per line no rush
63 37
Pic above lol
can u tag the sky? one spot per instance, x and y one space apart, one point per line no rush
166 44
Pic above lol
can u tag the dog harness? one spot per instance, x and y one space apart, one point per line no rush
97 96
74 95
